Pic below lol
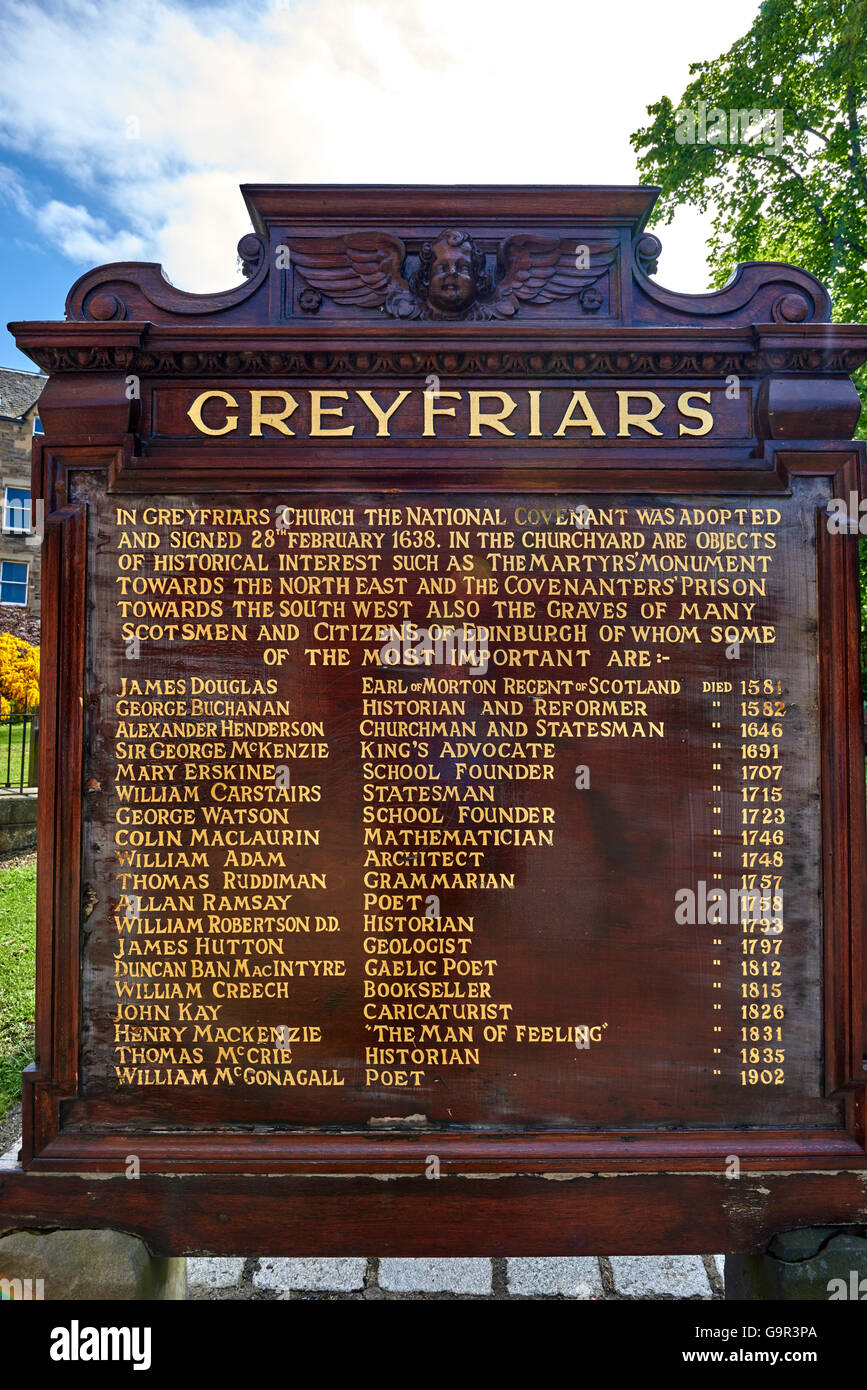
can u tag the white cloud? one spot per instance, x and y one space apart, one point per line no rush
13 191
81 237
329 90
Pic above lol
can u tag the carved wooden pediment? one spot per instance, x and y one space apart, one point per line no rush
521 258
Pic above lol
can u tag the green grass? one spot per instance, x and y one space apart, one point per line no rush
17 978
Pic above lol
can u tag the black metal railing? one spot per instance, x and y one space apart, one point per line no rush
19 743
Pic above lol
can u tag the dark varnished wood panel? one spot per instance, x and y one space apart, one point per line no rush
589 920
583 931
643 1215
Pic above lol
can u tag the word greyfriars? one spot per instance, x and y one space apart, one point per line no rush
428 619
632 412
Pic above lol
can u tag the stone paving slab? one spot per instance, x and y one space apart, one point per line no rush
569 1276
652 1276
435 1276
314 1275
215 1272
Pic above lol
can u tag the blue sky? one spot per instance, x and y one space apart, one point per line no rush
126 129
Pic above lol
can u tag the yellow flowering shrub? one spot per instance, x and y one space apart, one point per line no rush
19 675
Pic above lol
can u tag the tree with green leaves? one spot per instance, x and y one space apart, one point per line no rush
771 137
801 198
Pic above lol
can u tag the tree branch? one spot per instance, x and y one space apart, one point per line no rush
837 234
799 125
856 156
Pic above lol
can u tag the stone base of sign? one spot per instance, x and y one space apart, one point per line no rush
587 1278
74 1265
17 819
816 1263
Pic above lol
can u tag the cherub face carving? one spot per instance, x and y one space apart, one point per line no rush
366 270
452 283
451 275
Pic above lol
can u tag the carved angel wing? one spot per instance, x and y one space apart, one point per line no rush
540 269
364 269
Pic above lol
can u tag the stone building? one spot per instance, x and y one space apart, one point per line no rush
19 539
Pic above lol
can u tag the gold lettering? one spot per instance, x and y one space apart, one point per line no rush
491 419
534 431
430 410
590 419
259 417
195 412
640 419
695 412
317 410
381 416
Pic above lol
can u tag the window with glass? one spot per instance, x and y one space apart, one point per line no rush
16 509
13 583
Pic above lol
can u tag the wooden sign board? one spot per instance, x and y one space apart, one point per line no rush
452 783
